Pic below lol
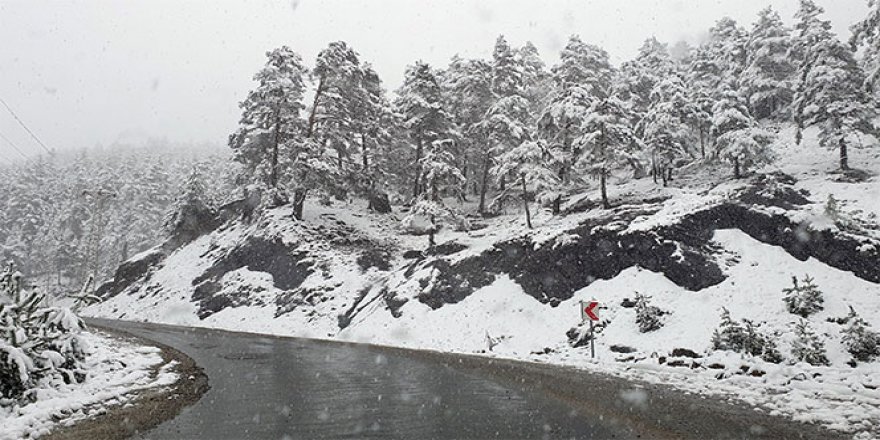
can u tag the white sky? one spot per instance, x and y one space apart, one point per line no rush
81 73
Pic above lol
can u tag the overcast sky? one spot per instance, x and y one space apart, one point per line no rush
79 73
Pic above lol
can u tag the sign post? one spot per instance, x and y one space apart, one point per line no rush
587 312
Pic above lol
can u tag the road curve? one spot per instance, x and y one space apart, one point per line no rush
289 388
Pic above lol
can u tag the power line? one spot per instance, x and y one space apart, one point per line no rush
20 122
14 147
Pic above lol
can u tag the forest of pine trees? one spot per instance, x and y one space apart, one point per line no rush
68 217
509 128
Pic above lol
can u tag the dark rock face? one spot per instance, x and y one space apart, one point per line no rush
191 222
282 261
379 203
130 272
378 258
683 252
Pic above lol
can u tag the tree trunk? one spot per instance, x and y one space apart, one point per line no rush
364 159
299 199
320 91
604 189
736 172
844 156
702 142
433 227
484 183
273 160
417 180
654 166
526 202
669 176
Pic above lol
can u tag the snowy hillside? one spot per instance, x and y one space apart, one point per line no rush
702 245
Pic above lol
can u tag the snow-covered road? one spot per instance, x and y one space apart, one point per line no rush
274 387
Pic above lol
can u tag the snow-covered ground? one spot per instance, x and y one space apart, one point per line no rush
116 370
518 326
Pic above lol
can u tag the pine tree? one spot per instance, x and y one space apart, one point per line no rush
642 75
582 78
767 80
607 142
738 140
37 341
190 215
665 128
745 338
507 120
866 33
729 335
441 177
830 92
420 103
537 82
861 342
807 347
270 118
467 96
803 299
647 316
528 165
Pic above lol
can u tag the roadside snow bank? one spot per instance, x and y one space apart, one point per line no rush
116 369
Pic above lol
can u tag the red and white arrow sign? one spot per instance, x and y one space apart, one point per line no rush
589 310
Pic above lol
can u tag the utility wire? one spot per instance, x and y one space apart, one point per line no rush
14 147
20 122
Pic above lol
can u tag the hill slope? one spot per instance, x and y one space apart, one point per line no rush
696 247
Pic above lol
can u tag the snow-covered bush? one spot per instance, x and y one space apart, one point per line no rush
39 344
647 316
861 342
807 346
803 299
744 338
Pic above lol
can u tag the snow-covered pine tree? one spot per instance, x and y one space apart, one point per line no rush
803 299
866 34
270 118
373 122
642 75
858 339
807 346
467 96
738 140
665 129
507 125
508 118
191 215
607 142
349 114
582 77
729 335
37 341
744 338
536 79
530 164
441 178
420 103
831 93
648 317
768 79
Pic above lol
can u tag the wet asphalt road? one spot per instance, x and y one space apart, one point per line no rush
266 387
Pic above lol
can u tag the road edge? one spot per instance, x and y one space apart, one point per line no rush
149 408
